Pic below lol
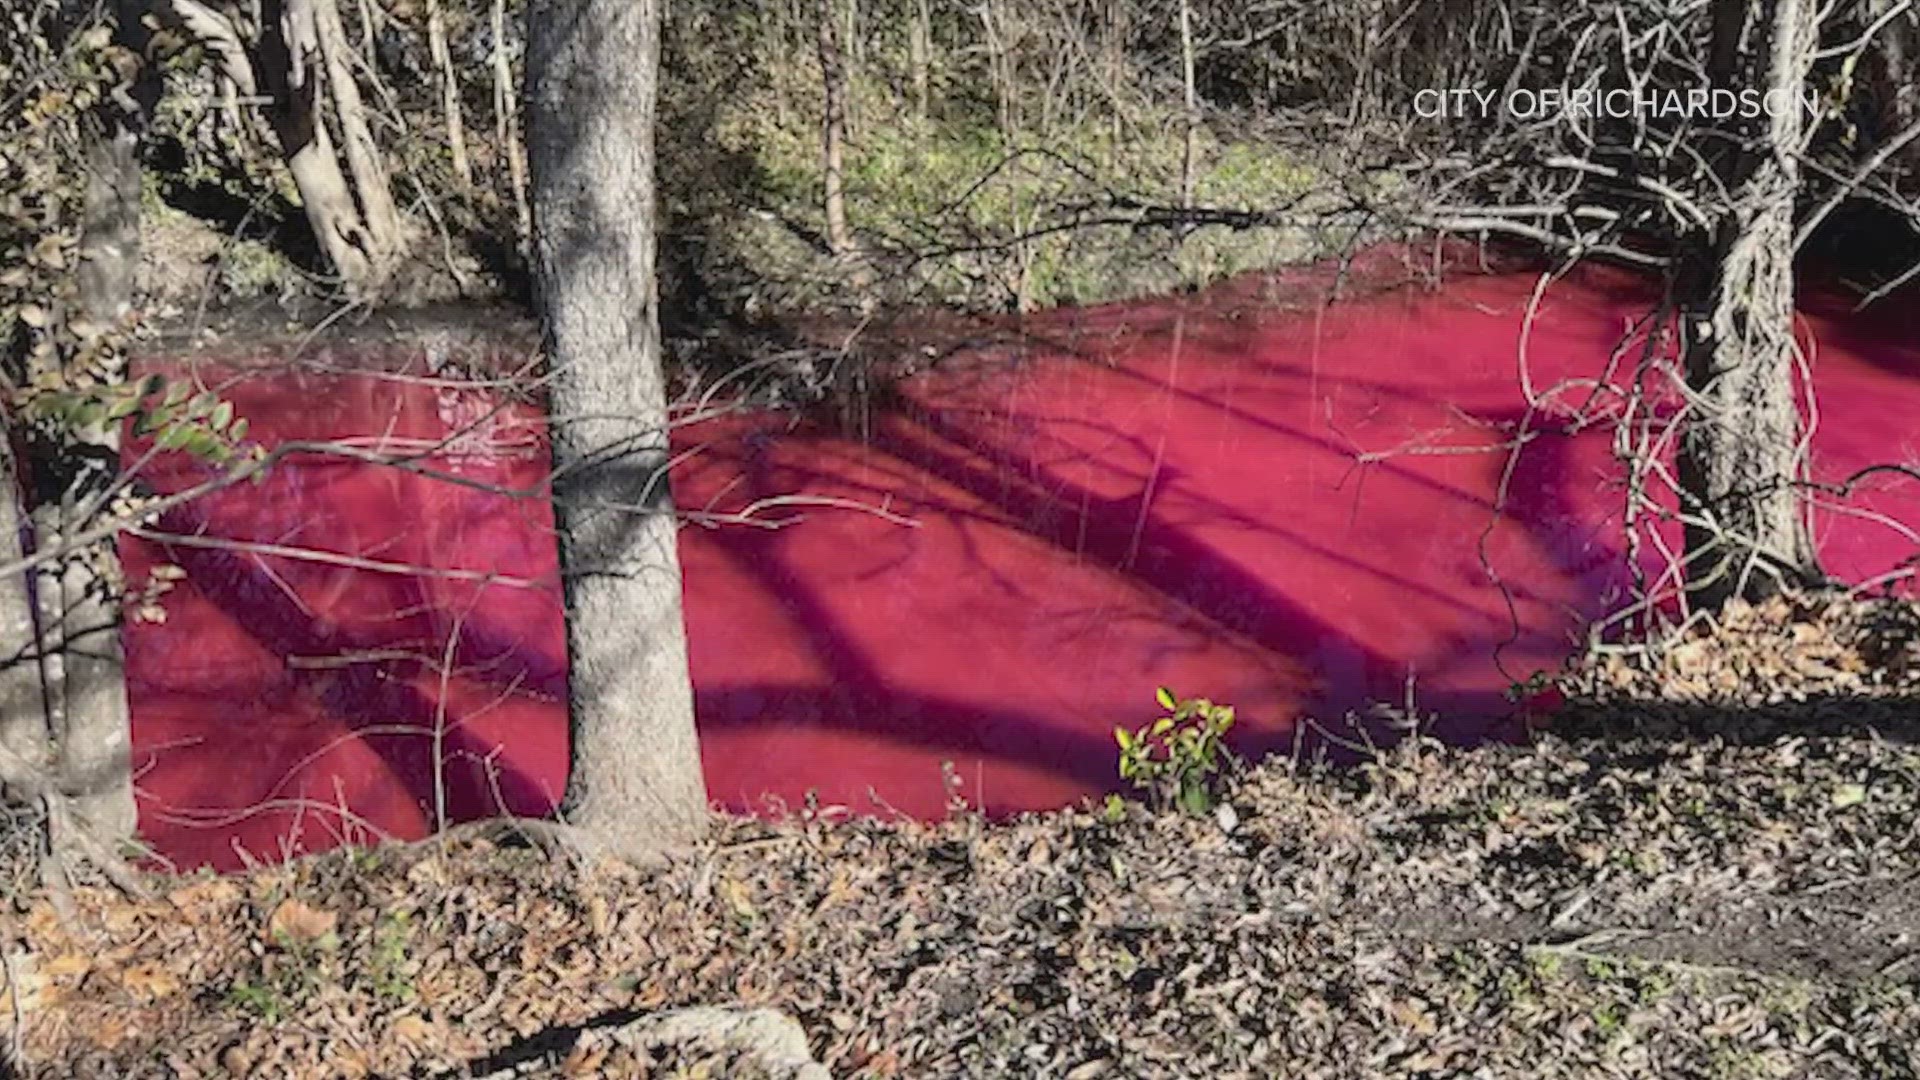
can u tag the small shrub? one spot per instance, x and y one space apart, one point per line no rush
1177 758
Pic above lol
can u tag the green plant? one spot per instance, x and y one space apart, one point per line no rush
1608 1019
1177 758
258 1000
200 424
389 960
285 983
1532 686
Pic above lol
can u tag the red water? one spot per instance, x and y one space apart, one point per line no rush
992 574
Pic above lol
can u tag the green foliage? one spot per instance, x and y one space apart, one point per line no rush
1177 759
389 966
261 1001
201 424
288 978
63 368
1537 683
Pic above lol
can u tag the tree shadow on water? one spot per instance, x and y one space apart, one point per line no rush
374 685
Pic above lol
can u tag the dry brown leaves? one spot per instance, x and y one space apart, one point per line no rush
1790 649
1614 906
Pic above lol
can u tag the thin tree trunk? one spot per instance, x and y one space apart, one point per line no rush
449 93
1192 105
1116 49
853 58
506 128
833 129
1741 455
592 76
24 710
372 21
998 68
920 57
1891 74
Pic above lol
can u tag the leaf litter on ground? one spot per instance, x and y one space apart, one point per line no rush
1705 866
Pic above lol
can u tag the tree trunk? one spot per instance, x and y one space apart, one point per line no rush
24 710
1892 72
356 230
1741 455
999 67
833 129
506 129
372 191
1115 30
63 698
853 58
449 93
592 73
1192 105
93 733
920 57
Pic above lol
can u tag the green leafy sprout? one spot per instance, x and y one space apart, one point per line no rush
1176 760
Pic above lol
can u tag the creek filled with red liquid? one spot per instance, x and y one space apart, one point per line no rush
1246 494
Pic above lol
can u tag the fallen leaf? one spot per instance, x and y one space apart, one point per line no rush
150 980
300 923
411 1029
583 1061
737 897
69 964
205 898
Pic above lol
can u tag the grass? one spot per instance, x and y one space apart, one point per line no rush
963 190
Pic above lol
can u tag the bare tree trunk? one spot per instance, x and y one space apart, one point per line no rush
1116 63
853 56
592 74
1892 73
63 697
920 57
1741 454
833 129
301 63
1192 105
999 67
505 128
30 772
24 709
370 186
93 732
449 93
290 69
